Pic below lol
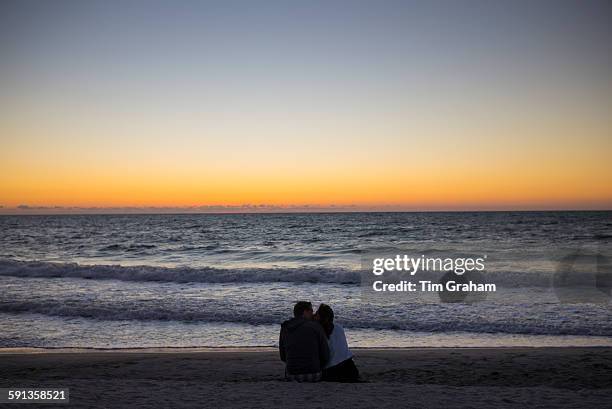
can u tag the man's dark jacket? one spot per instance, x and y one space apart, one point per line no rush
303 346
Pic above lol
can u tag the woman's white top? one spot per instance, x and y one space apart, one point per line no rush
338 347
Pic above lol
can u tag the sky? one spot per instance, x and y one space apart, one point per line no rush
402 105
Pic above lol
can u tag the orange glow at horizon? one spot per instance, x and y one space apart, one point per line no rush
361 180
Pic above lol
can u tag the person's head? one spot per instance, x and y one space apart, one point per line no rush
302 309
325 316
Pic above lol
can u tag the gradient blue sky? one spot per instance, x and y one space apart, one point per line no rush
417 105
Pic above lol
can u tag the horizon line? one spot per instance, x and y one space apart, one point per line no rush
274 209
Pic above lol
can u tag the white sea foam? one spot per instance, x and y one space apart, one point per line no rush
233 275
177 274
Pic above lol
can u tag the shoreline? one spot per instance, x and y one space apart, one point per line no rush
209 349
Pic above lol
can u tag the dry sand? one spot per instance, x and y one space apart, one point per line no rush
252 378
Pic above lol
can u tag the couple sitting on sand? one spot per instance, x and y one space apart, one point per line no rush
314 348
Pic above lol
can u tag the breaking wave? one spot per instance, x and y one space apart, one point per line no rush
40 269
443 320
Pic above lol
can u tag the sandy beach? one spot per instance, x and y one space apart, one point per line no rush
252 378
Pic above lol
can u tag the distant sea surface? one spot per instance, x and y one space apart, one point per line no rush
114 281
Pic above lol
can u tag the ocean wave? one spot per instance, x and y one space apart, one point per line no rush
40 269
420 321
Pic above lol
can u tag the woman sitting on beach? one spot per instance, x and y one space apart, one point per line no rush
340 367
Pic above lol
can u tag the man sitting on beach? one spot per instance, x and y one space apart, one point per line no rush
303 345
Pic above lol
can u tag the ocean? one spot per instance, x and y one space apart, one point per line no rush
225 280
